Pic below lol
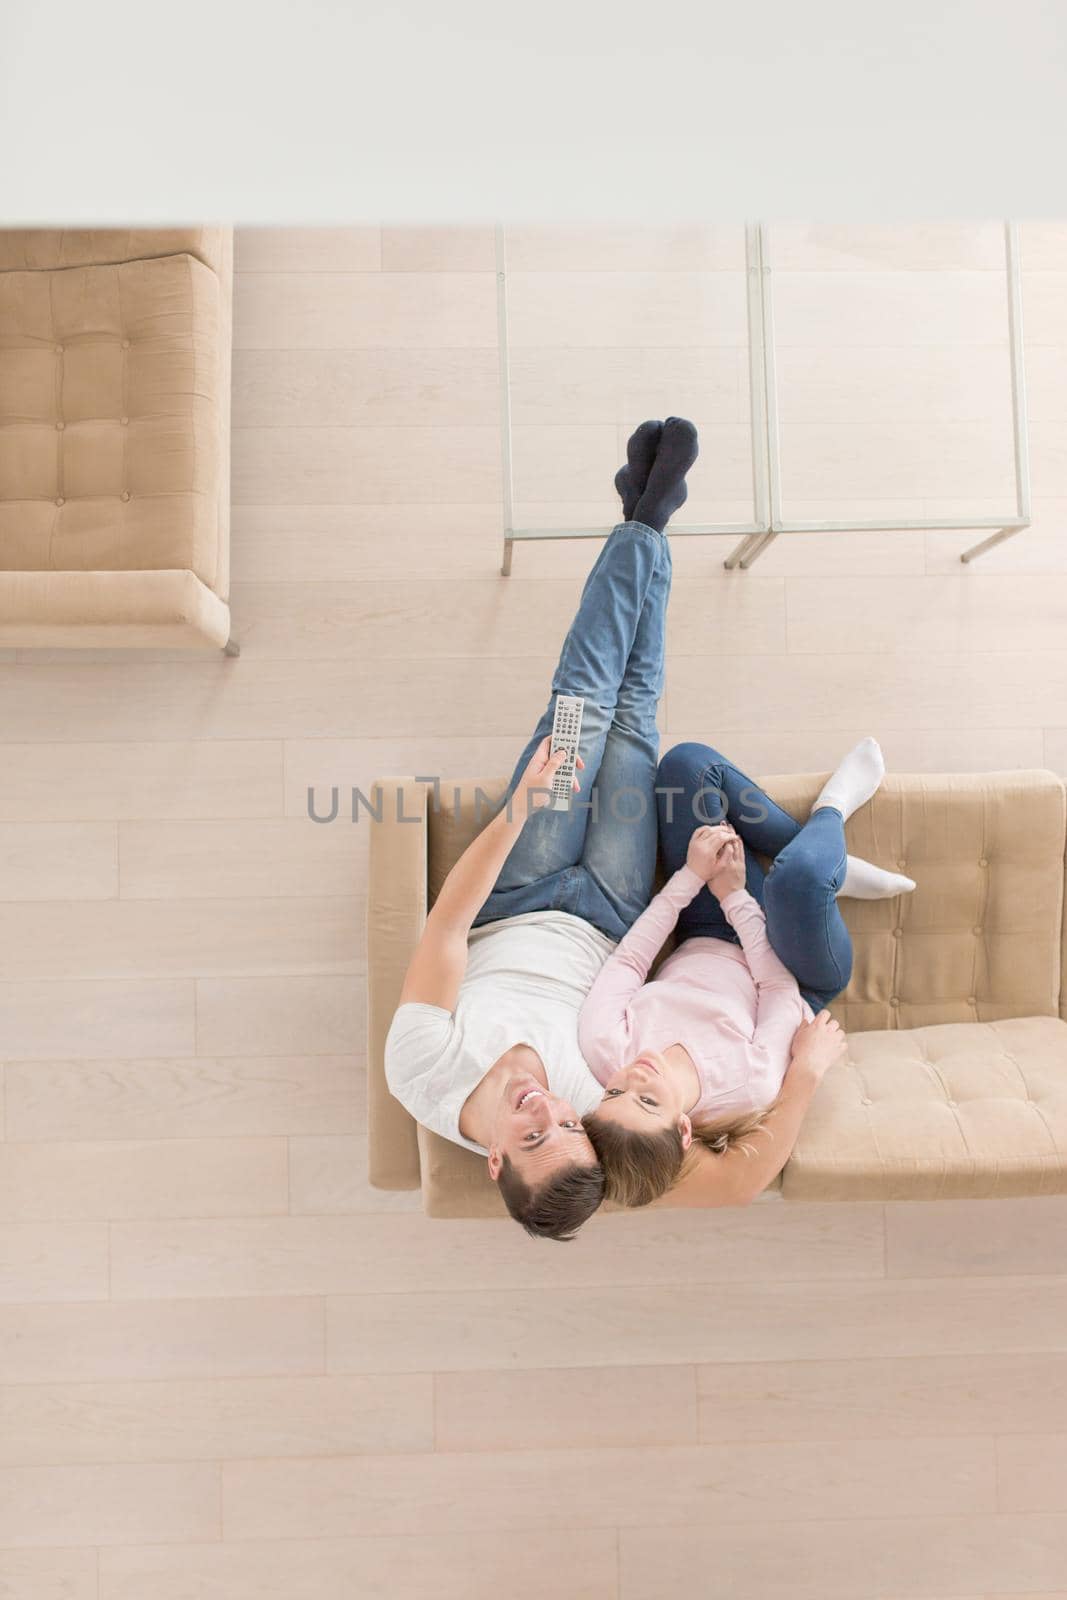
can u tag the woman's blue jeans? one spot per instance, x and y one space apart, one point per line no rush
696 785
598 860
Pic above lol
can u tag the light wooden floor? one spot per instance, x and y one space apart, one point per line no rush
229 1370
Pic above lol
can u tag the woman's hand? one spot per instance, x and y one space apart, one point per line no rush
740 1175
705 845
729 873
817 1046
540 771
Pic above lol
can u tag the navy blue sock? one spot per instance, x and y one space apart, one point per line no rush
630 480
665 490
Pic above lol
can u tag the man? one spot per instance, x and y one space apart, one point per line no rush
484 1044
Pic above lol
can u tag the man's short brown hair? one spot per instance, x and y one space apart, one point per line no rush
557 1209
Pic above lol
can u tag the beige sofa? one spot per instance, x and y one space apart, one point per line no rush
956 1080
115 436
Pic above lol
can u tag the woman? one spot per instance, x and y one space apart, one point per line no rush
708 1042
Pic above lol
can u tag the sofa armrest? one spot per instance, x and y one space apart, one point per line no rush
54 249
1063 947
168 608
396 913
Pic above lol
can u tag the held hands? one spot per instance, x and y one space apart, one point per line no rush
818 1045
533 789
717 855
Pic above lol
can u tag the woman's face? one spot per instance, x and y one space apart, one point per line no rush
643 1098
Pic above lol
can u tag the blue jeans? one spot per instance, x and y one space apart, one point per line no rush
598 860
798 893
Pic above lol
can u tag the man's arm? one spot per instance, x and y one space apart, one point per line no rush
739 1175
440 959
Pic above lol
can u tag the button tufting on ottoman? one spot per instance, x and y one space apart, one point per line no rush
114 437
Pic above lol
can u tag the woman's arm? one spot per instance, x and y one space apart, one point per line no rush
602 1032
629 963
739 1175
642 944
440 959
746 916
779 1007
624 972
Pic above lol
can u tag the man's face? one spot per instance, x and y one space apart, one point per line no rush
540 1133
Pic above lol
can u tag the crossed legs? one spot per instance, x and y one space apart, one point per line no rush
597 860
798 892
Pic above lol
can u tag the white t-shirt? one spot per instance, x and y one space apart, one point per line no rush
525 982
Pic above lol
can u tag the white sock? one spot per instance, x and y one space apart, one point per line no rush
865 881
855 781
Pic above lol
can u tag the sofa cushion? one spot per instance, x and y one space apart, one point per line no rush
110 418
958 1110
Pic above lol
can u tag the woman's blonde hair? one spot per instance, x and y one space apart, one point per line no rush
729 1132
639 1167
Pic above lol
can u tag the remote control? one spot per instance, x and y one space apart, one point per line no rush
566 729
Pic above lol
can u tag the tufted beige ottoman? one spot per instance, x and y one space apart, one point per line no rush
956 1082
114 437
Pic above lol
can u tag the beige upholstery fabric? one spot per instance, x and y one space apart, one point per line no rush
224 272
45 249
954 995
89 610
396 911
980 937
114 413
455 1182
109 399
958 1110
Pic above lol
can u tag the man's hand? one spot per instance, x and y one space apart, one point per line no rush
818 1045
541 769
729 873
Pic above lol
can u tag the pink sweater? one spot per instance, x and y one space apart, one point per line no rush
734 1009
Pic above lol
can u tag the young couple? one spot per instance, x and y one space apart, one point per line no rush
529 1029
